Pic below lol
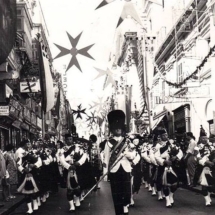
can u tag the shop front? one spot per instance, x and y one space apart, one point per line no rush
10 125
182 119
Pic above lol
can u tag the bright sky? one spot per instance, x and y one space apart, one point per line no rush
98 27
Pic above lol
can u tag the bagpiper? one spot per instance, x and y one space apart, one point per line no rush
145 161
136 180
95 159
206 159
167 156
27 164
118 160
66 157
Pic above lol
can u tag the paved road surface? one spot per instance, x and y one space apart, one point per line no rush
100 203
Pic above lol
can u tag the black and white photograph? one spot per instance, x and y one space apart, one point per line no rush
107 107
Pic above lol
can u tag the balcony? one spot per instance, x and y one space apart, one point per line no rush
177 30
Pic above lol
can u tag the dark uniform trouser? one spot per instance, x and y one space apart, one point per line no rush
121 189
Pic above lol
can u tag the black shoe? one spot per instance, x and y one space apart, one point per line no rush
1 205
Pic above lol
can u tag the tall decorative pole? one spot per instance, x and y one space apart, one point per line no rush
145 80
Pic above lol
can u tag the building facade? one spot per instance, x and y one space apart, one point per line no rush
21 111
180 92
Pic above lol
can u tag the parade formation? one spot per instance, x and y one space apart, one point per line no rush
107 107
129 160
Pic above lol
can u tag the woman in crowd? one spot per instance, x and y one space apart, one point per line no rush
11 167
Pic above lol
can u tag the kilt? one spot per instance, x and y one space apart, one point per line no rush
121 189
169 177
28 185
207 177
85 177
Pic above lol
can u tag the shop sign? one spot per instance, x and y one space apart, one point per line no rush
202 91
4 110
31 87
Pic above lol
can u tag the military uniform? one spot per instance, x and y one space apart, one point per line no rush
118 161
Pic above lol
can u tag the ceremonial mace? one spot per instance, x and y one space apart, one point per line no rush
114 164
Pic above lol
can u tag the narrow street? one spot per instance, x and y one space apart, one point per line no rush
100 203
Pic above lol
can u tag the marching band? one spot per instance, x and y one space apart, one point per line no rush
161 163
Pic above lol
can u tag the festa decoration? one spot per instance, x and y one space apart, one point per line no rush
79 112
74 51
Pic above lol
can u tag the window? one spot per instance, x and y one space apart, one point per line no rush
180 74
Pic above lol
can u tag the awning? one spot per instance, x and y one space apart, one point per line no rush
157 121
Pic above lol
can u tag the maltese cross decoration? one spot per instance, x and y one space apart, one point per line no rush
79 112
74 51
92 118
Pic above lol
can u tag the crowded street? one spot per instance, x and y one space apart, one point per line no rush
107 107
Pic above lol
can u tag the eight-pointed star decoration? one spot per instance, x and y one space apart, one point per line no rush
74 52
109 77
79 112
99 104
92 118
106 2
